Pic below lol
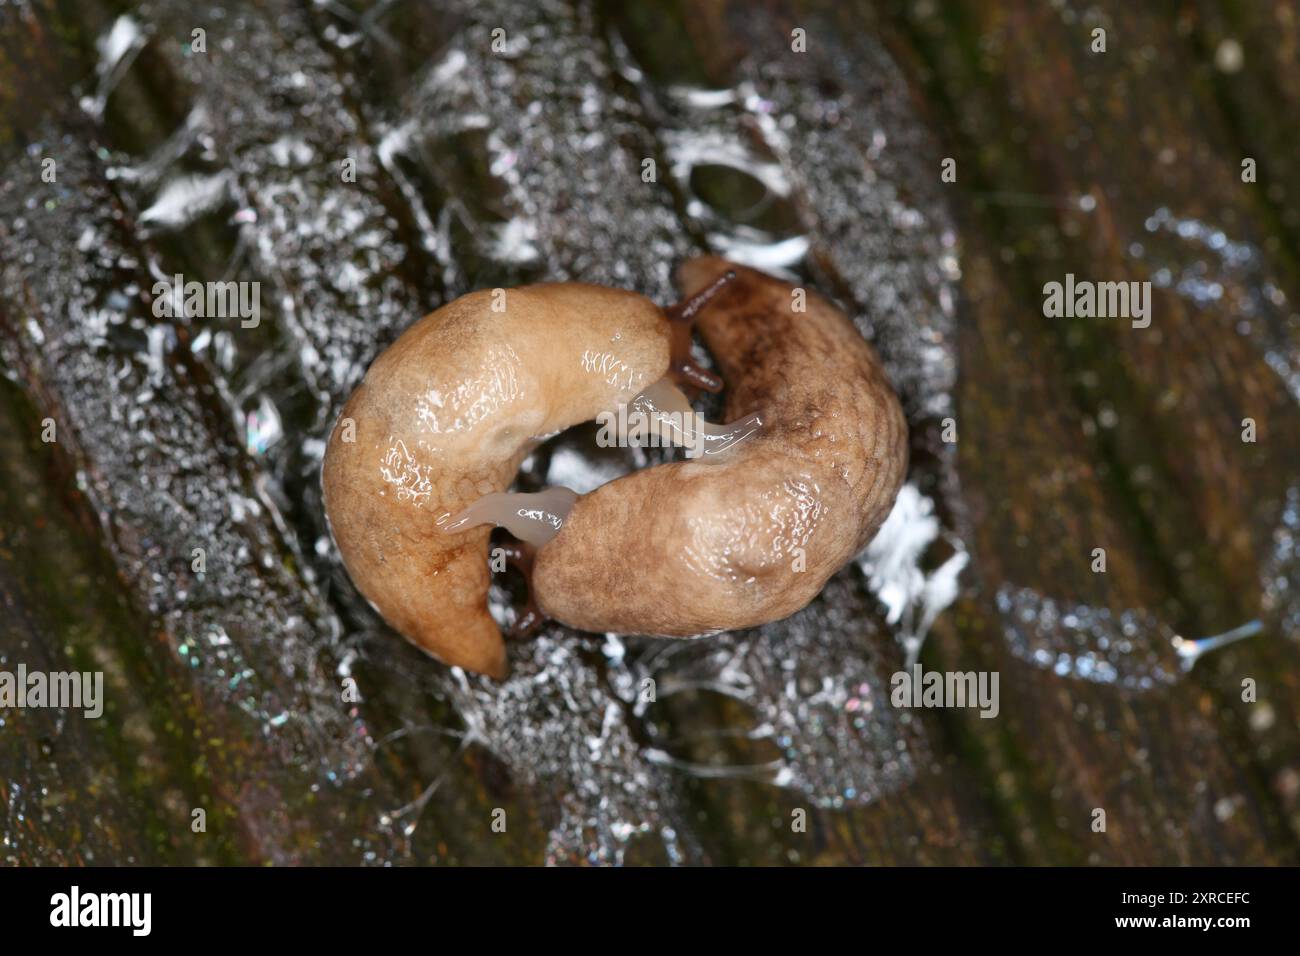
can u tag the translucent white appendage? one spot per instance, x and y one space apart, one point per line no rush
1190 651
535 518
662 413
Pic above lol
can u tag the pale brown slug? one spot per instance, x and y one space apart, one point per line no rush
445 416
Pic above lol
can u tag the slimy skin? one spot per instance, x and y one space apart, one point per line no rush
445 416
691 548
748 532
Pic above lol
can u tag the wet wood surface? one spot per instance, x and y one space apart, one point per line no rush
225 688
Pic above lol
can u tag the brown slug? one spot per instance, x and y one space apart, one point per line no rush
443 419
689 547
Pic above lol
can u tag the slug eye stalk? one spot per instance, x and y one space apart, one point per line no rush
681 315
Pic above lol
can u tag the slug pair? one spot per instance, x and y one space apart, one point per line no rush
746 533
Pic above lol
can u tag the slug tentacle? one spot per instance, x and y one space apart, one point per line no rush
669 418
535 518
685 371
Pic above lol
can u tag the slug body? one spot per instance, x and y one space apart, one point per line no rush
690 547
445 416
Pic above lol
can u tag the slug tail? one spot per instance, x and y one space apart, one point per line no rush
430 586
